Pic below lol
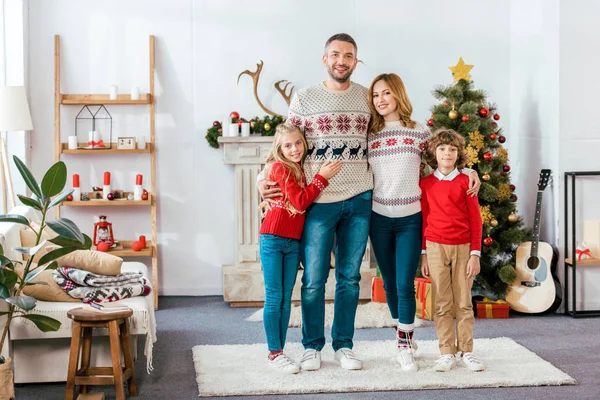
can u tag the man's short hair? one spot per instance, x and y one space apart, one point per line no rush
342 37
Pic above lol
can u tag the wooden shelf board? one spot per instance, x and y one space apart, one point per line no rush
108 203
97 99
82 150
125 250
587 261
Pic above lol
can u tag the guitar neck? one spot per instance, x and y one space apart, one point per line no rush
535 240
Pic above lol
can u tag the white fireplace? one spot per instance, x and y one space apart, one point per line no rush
243 281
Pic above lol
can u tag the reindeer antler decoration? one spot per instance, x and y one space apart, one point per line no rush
255 76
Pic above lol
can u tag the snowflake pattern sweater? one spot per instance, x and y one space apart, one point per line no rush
335 124
394 154
278 220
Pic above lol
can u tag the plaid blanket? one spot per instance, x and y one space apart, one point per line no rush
94 288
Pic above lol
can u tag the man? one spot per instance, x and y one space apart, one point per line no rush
334 116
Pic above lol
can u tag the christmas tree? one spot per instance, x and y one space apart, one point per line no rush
466 110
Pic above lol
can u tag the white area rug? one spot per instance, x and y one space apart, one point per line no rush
243 370
368 315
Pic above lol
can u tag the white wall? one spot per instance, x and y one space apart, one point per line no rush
202 46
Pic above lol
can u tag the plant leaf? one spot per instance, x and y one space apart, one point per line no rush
16 218
23 301
8 277
28 178
66 242
1 250
54 254
60 198
30 202
30 251
54 180
5 261
66 227
52 265
4 292
44 323
31 283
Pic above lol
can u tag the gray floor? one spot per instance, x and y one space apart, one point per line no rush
570 344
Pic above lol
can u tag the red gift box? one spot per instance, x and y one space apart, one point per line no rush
377 290
492 308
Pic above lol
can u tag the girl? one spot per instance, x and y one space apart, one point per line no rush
280 233
395 147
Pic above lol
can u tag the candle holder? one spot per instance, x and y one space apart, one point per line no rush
93 125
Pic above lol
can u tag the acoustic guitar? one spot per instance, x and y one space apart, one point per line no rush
536 289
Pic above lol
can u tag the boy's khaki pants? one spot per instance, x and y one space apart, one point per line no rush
452 292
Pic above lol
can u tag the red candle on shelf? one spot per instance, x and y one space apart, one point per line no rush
106 189
107 178
76 189
142 241
138 179
75 180
137 189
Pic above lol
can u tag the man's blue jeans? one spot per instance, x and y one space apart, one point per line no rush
280 258
348 221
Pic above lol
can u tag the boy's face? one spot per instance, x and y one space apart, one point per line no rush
446 155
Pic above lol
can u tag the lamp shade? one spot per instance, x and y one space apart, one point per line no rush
14 110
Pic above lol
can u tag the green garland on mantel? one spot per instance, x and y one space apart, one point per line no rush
264 126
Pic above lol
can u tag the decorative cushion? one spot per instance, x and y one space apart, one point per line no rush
93 261
51 292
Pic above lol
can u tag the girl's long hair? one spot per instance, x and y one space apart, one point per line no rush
398 91
293 169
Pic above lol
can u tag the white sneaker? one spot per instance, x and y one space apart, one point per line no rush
472 362
311 360
348 359
284 364
407 361
445 363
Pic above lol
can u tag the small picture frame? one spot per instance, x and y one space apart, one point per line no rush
126 143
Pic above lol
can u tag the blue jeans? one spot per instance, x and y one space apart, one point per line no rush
347 221
280 258
397 246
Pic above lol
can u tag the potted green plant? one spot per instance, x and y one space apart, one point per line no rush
44 197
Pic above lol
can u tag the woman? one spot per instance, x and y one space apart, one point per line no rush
395 147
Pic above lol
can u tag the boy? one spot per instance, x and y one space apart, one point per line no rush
452 230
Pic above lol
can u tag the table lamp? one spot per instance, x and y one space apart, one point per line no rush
14 116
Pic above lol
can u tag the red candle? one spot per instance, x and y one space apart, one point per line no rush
75 180
107 178
142 241
138 179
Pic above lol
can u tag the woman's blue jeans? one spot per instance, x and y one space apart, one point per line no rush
280 258
397 246
347 221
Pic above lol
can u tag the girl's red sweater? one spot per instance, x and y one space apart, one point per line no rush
278 220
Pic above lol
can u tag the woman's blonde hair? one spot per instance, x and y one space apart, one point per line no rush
398 91
444 136
293 169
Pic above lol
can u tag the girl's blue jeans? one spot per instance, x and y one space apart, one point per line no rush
280 258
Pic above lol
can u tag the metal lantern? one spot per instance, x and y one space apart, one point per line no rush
93 125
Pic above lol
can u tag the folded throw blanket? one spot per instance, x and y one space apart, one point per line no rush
94 288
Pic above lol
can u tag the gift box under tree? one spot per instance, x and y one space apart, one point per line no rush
492 308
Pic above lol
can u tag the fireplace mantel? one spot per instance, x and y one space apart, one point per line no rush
243 281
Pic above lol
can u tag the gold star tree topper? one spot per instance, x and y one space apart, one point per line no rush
461 71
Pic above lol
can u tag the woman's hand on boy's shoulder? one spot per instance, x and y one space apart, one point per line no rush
474 184
268 190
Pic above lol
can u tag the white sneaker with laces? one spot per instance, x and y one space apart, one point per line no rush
311 360
445 363
407 361
348 359
472 362
284 364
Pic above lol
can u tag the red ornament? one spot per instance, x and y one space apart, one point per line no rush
493 136
494 124
513 197
430 122
502 139
506 168
144 196
240 122
465 118
70 197
488 241
136 246
512 187
216 123
103 247
488 156
234 115
110 196
496 117
484 112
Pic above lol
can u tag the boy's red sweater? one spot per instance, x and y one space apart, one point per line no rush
278 220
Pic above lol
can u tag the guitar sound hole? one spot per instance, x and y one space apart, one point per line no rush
533 263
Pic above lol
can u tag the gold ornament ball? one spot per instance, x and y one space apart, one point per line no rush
513 217
267 127
453 114
494 223
486 177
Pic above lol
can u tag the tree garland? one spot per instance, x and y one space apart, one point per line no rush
264 126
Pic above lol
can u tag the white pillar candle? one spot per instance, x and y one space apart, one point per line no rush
135 93
246 129
113 92
94 136
233 130
72 142
141 142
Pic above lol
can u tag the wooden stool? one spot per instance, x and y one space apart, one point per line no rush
118 330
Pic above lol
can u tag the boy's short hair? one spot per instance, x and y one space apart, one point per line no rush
446 136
